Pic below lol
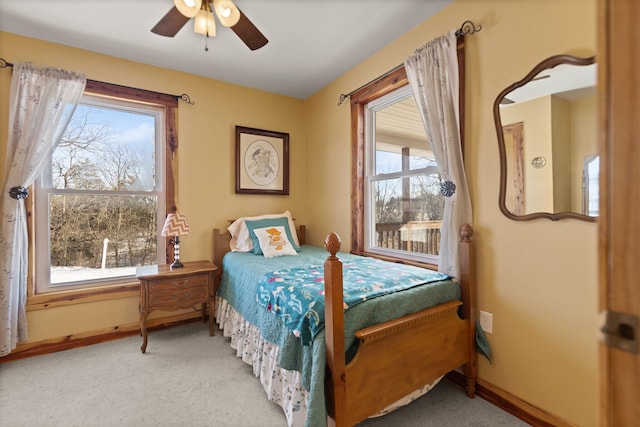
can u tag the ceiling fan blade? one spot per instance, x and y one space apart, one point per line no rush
249 33
170 23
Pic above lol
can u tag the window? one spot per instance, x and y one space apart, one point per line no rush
402 202
396 203
103 195
590 185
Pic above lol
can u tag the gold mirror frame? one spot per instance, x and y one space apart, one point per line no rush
548 63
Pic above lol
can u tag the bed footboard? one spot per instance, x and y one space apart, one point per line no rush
397 357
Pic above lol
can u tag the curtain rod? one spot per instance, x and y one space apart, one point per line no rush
467 28
5 64
184 97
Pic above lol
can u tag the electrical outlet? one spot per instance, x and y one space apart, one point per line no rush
486 321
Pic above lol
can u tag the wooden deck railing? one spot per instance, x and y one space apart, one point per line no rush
415 236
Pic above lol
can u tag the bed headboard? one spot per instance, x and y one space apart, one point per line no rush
222 239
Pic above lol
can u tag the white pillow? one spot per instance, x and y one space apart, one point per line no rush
274 242
240 238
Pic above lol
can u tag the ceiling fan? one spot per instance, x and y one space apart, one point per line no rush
202 10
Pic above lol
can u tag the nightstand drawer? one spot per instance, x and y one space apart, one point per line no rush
183 298
176 284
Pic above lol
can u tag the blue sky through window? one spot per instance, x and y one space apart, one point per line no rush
113 133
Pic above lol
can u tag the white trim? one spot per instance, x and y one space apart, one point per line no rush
371 177
408 255
43 191
391 98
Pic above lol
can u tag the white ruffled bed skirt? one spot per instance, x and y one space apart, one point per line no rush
283 387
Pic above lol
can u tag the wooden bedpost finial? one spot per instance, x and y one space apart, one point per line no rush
466 232
332 244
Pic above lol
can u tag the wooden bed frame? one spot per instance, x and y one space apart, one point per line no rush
394 358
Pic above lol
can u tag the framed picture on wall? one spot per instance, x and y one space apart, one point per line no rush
262 161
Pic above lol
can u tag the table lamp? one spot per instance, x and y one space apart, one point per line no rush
176 225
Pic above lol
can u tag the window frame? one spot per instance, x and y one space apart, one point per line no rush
389 82
371 177
126 287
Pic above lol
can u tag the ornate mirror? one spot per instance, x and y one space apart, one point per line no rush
547 137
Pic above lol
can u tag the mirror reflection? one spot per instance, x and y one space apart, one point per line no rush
547 135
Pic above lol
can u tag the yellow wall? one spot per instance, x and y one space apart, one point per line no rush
206 171
535 116
538 277
561 143
584 130
563 132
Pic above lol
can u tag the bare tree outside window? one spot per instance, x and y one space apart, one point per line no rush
404 182
102 194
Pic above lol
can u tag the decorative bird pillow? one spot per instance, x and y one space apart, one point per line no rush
274 242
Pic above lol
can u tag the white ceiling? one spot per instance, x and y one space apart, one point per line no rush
311 42
567 81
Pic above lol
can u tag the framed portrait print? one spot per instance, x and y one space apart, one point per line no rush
262 161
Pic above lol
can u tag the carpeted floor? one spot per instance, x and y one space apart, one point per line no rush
186 378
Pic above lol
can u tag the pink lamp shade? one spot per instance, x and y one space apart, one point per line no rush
176 225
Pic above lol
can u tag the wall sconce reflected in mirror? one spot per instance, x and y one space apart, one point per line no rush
538 162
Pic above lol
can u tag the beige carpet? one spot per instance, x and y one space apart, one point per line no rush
186 378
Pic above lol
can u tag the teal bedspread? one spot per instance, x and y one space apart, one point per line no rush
296 295
239 286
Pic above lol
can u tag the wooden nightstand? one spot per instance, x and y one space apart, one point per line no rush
163 288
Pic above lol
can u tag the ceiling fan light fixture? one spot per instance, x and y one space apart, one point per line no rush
188 8
204 23
227 12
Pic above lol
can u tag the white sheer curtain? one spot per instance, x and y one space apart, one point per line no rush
434 79
41 103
